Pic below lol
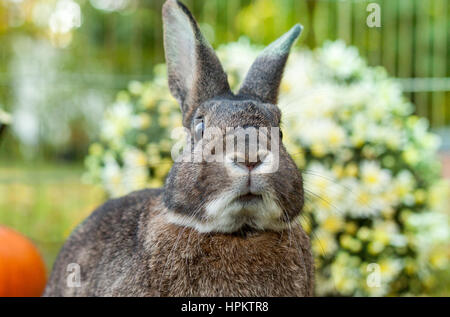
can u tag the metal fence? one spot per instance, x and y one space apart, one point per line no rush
411 43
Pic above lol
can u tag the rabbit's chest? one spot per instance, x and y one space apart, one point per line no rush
184 262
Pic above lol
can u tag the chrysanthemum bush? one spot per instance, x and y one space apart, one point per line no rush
375 204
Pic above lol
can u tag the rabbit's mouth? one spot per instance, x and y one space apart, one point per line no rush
249 198
230 213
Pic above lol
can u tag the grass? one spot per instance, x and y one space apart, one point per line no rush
45 203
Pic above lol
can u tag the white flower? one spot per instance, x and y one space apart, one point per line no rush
374 177
324 190
360 201
356 96
325 135
343 60
112 177
403 185
346 273
323 243
298 79
65 17
238 56
134 158
5 117
430 227
315 103
134 178
110 5
117 119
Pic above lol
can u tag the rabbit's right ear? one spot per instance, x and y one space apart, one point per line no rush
264 77
194 71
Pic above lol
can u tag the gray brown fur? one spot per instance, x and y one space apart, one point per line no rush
128 246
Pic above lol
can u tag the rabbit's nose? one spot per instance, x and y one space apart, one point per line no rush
247 163
239 164
252 165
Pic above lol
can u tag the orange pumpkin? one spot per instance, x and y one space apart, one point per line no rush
22 271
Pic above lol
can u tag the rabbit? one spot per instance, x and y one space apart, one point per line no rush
220 228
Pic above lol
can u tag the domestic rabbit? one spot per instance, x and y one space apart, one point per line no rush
218 227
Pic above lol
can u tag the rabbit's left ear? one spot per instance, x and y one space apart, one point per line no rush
264 77
195 73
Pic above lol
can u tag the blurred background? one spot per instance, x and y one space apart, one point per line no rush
63 62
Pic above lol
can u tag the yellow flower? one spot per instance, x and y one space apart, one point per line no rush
373 176
411 156
149 99
318 150
420 196
389 268
95 149
404 214
439 194
163 121
323 243
439 259
135 87
300 160
410 266
336 138
411 121
155 183
163 168
364 234
232 80
285 87
165 145
381 236
145 121
430 281
363 198
123 96
324 202
333 224
375 247
345 114
176 120
164 108
388 212
351 170
338 170
357 140
153 149
306 224
351 227
350 243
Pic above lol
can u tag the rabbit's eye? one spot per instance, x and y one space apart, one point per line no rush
199 129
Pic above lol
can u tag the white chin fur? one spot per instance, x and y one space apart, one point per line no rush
223 214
